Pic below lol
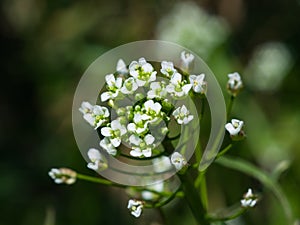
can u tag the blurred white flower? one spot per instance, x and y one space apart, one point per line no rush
142 71
114 132
167 68
135 207
157 90
106 144
178 161
98 161
148 195
235 127
162 164
199 85
191 26
182 115
95 115
121 67
63 175
234 84
177 86
129 86
140 123
113 86
270 64
186 60
141 146
249 199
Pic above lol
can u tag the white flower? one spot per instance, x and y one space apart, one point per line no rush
234 84
114 132
142 71
106 144
152 109
148 195
157 90
121 67
95 115
182 115
100 114
86 107
235 127
249 199
113 87
63 175
178 161
167 68
162 164
186 60
98 162
141 147
177 87
199 85
140 123
129 86
135 207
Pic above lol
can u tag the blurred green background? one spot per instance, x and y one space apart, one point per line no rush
46 47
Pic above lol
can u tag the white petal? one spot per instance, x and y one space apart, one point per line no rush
140 83
105 96
149 139
230 128
131 127
115 142
121 66
176 78
110 79
147 152
106 131
134 139
94 154
136 152
186 88
89 118
93 166
119 82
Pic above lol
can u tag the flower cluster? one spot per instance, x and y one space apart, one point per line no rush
63 175
148 93
249 199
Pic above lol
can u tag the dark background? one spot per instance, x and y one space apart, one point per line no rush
46 47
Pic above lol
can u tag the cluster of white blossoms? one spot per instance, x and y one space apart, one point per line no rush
147 93
249 199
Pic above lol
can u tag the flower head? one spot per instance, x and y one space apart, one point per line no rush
199 85
135 207
178 161
235 129
249 199
142 147
63 175
114 132
167 68
157 90
113 86
129 86
177 86
106 144
182 115
98 162
234 84
142 71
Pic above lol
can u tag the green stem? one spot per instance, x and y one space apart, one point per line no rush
200 184
230 104
228 217
98 180
193 199
223 151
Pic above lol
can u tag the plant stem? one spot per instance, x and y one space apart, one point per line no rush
230 104
193 199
